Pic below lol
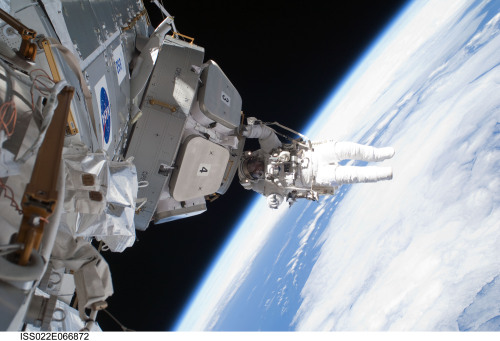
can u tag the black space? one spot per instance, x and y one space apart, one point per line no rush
285 58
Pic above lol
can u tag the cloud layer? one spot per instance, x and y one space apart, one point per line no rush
421 247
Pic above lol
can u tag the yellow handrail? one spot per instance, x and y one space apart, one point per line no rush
184 36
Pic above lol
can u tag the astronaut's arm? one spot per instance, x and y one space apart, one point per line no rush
268 139
274 195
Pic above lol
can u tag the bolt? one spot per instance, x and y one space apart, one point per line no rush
34 220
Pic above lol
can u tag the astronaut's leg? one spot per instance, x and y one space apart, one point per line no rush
355 151
351 174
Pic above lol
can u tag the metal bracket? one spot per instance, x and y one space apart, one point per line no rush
28 47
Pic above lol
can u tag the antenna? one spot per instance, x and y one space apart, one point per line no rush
170 19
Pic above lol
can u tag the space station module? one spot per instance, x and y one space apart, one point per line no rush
287 172
107 125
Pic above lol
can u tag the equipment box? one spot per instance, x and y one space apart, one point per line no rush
201 165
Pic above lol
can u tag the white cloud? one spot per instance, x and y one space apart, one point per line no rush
423 245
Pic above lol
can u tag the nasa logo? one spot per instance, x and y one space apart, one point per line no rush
105 115
104 108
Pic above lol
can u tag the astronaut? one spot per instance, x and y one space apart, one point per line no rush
286 172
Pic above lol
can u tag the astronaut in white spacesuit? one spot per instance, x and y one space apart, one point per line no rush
286 172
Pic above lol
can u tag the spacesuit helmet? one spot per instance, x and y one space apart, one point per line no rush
253 168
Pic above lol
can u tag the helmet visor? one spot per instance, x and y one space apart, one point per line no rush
255 168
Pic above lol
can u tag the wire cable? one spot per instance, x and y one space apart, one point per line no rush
125 329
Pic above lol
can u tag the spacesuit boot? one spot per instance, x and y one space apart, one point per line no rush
355 151
352 174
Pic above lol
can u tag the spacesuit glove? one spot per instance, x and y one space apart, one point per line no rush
274 200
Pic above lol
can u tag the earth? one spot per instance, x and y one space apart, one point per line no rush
418 253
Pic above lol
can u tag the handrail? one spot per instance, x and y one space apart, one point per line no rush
40 196
184 36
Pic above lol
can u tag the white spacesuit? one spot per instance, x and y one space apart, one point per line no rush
290 171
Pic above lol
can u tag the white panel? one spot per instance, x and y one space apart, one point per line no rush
201 166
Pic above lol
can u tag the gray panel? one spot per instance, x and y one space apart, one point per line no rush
82 26
105 14
200 169
125 11
122 9
119 103
173 80
119 91
95 72
136 7
219 99
154 143
181 213
157 135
